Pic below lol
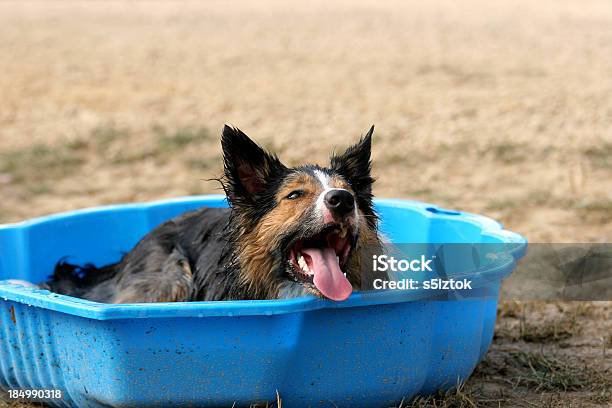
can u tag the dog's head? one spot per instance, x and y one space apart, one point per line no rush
299 230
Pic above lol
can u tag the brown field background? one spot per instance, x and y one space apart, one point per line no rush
500 108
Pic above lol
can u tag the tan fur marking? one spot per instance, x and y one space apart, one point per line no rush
256 245
338 182
368 241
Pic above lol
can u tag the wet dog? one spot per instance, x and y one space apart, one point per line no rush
289 231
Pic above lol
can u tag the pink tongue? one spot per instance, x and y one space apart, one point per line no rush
328 276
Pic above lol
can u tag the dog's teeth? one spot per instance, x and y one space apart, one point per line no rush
302 263
338 259
342 233
344 274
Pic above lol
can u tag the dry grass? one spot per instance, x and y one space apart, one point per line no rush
554 352
503 108
476 106
458 397
5 403
544 373
550 331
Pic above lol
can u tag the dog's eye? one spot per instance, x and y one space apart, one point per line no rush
295 194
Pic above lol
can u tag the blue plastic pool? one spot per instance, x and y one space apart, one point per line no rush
374 349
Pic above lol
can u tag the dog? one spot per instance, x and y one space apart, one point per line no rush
289 231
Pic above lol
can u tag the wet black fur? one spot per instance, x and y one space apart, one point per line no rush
205 240
197 236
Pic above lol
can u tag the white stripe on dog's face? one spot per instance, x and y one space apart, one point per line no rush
320 206
323 179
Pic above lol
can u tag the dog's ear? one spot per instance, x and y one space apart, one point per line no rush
355 164
248 168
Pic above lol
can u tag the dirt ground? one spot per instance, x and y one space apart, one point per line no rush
500 108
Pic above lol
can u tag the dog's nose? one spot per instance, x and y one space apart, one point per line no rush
339 201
